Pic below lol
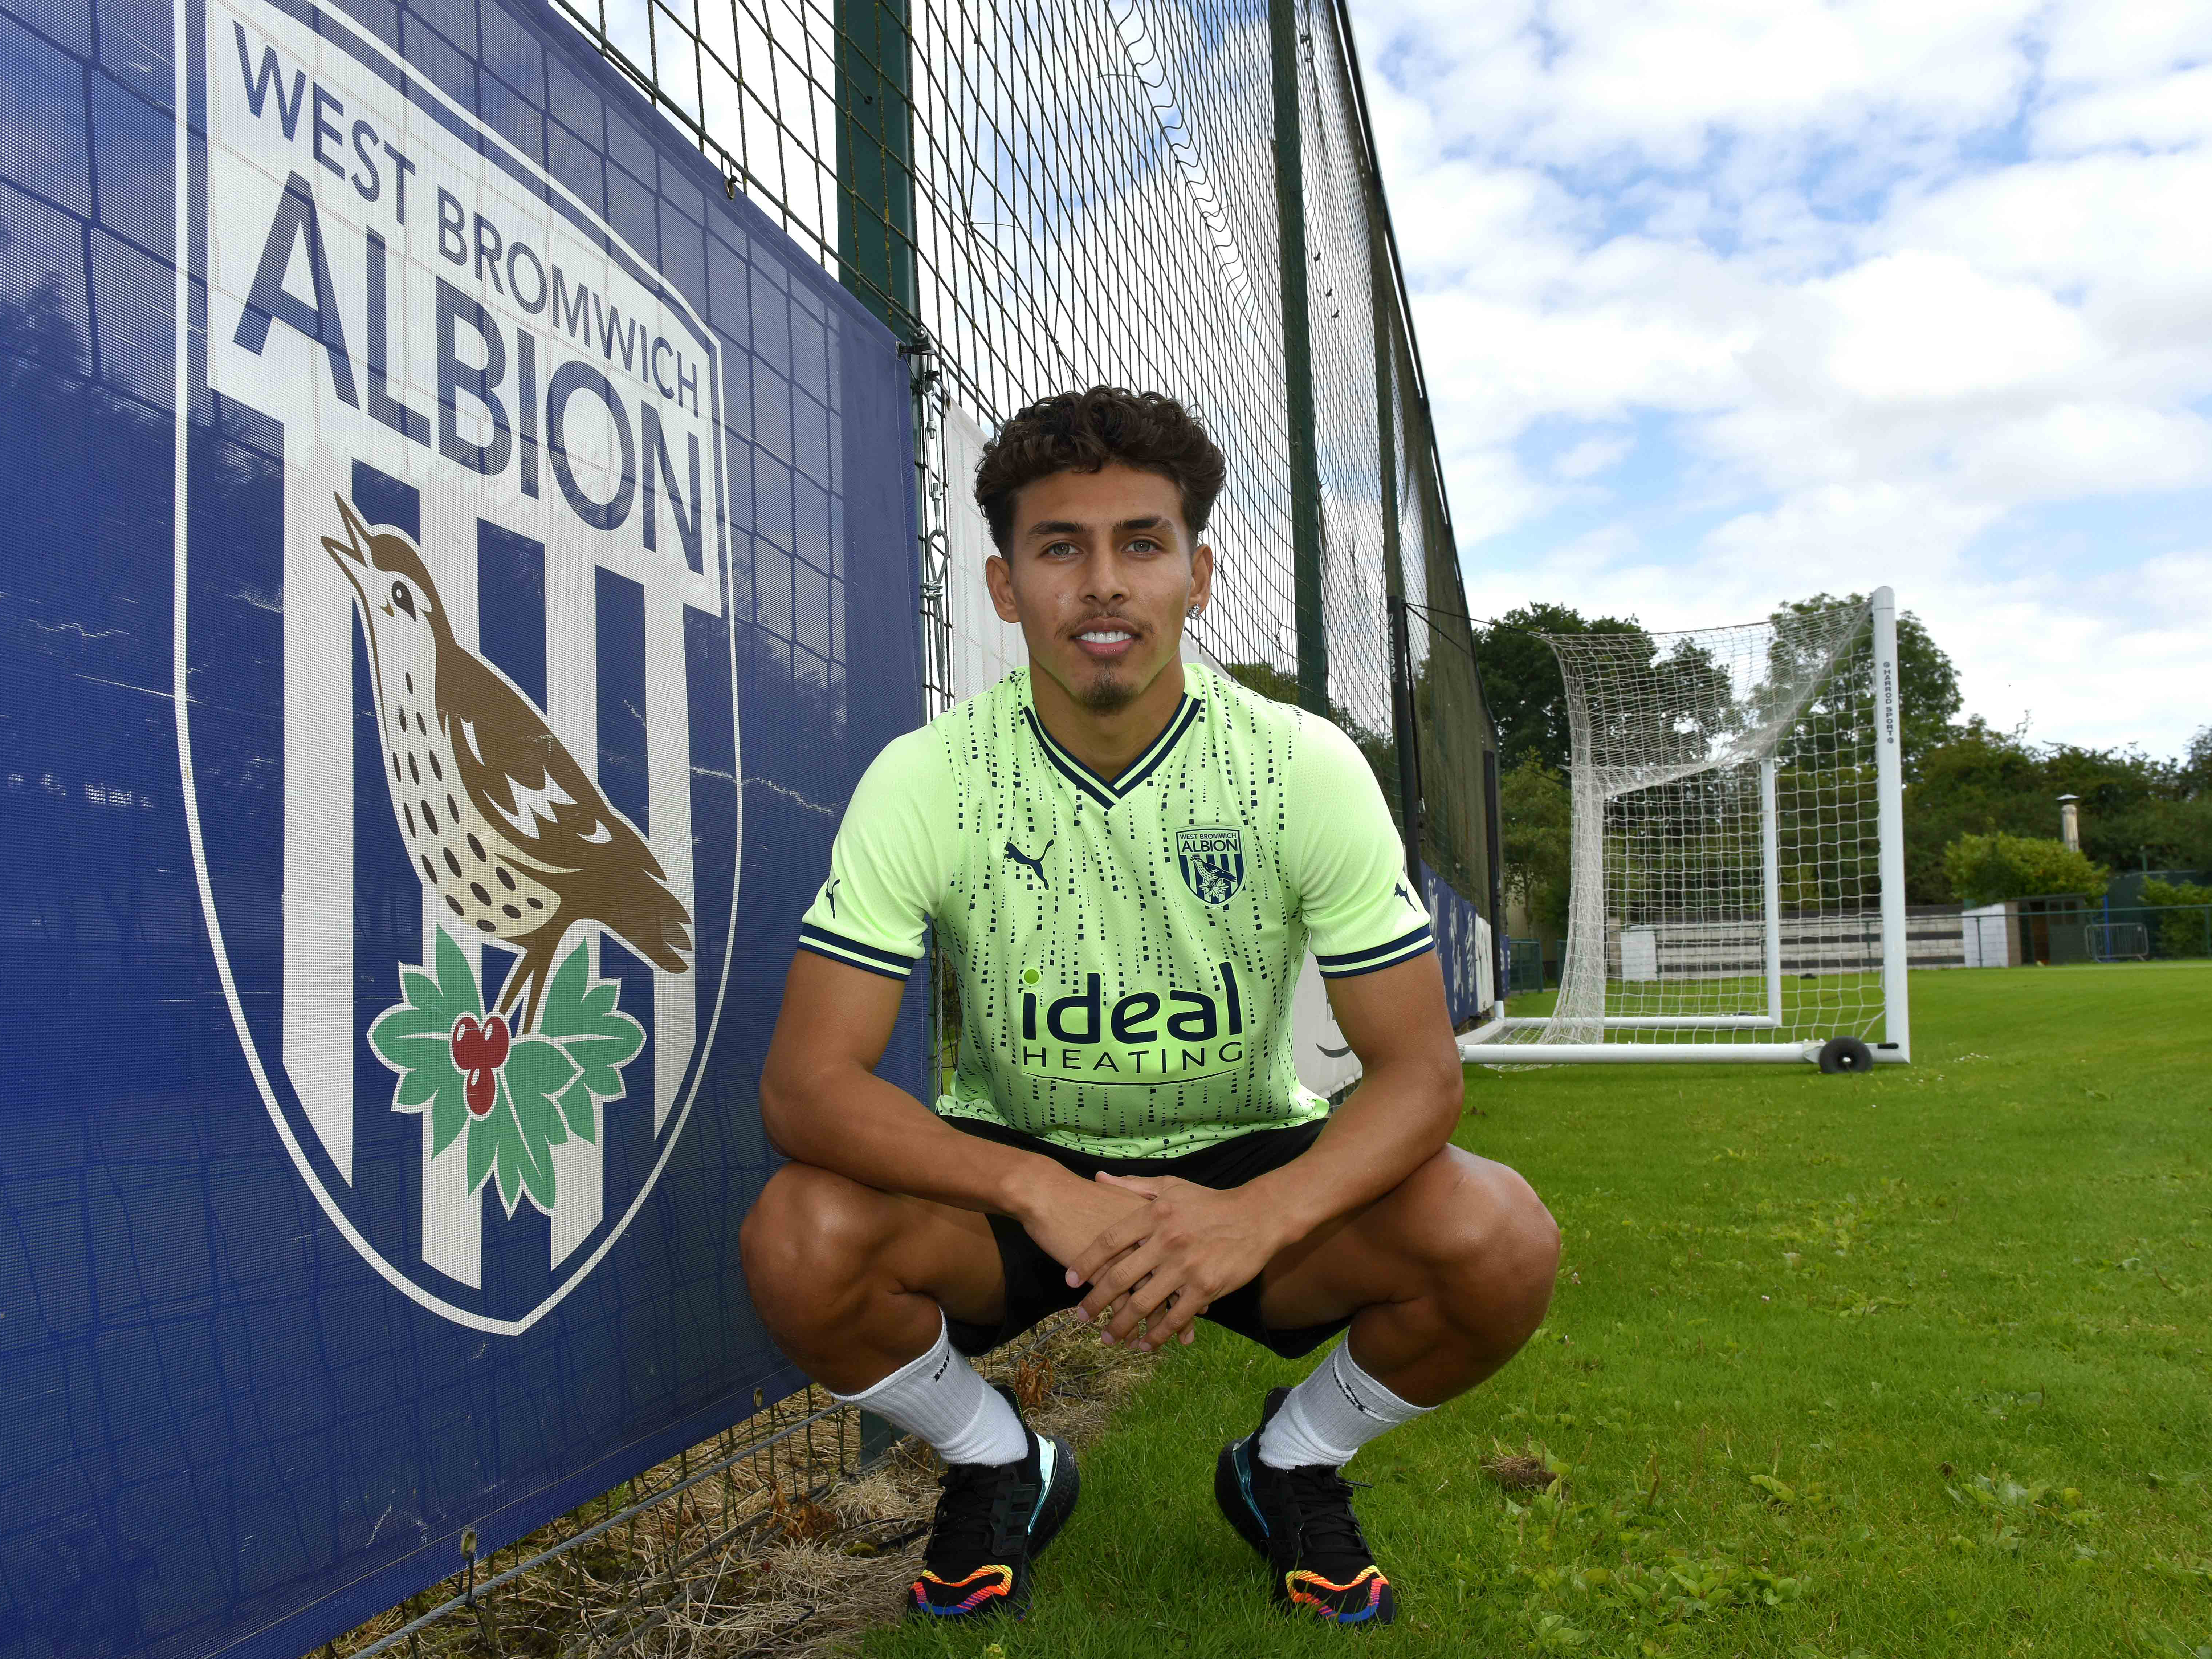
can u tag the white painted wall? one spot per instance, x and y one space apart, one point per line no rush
984 649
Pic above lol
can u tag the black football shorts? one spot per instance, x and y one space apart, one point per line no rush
1036 1285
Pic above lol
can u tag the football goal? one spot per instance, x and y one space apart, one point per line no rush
1736 875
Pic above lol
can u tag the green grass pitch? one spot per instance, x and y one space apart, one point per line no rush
1905 1363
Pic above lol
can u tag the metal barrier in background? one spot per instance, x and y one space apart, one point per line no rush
2019 933
2172 933
1525 973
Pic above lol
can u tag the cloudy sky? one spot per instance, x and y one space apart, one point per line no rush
1727 301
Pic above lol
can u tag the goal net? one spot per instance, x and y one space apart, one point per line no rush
1736 876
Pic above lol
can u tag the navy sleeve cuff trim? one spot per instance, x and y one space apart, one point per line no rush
1355 959
849 961
821 939
1426 947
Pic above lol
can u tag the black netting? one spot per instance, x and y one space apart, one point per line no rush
1056 195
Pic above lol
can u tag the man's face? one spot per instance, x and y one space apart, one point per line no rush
1100 573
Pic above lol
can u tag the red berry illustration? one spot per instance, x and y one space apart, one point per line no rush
482 1091
480 1051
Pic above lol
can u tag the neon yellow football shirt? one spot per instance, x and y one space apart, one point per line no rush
1127 947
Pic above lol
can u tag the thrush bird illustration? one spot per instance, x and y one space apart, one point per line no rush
503 824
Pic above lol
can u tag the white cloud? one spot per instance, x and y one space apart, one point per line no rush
1889 279
1578 79
2076 450
2160 112
1922 327
2095 44
1599 452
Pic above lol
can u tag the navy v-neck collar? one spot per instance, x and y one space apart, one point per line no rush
1100 788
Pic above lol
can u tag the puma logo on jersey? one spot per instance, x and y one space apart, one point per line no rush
1035 865
1400 890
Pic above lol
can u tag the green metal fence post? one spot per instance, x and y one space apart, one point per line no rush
875 159
1287 39
878 1436
1406 739
1406 735
876 264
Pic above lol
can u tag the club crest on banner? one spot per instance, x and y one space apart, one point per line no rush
475 930
1212 861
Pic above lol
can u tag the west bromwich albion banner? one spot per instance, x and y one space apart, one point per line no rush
490 403
417 759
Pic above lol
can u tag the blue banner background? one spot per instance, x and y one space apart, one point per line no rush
1459 951
226 1432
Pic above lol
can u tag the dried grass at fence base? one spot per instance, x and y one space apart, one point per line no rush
792 1549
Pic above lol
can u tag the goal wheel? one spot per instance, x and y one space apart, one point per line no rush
1845 1053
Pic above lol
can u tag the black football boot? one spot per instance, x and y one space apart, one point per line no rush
993 1520
1301 1521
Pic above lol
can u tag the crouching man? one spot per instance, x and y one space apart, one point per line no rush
1126 859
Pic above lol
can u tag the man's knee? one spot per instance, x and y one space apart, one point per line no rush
1489 1246
810 1240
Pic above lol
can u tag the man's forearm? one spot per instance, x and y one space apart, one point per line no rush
1394 1122
855 1124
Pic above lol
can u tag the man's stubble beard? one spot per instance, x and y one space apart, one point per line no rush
1107 692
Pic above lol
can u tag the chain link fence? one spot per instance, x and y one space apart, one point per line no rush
1176 198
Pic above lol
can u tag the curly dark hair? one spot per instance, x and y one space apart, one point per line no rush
1081 431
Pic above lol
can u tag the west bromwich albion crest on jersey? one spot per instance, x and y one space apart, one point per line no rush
1212 861
1127 947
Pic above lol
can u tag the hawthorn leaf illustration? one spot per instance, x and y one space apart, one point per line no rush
536 1072
415 1039
499 1150
483 1142
594 1034
525 1162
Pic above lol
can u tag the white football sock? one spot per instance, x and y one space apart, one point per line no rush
938 1397
1337 1409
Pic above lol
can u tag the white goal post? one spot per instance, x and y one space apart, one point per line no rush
1737 848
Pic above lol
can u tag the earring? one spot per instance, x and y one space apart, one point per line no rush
1194 612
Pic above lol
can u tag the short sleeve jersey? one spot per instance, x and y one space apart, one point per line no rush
1126 948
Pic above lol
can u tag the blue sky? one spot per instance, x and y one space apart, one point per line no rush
1725 302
